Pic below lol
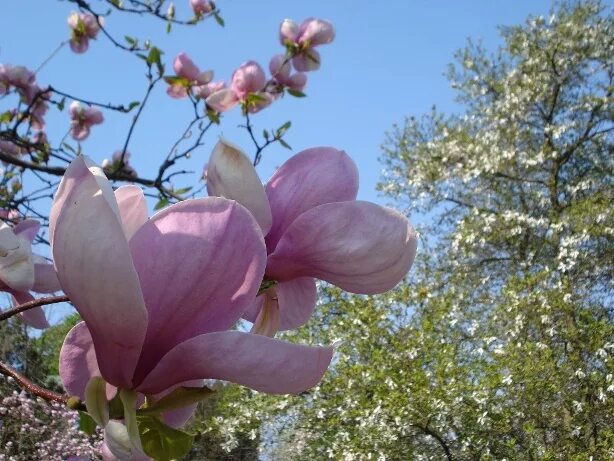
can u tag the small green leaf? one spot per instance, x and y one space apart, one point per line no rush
295 93
161 442
86 423
61 104
169 27
161 204
218 19
131 40
213 116
133 104
183 190
265 134
285 144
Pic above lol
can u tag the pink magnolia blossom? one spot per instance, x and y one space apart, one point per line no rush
280 71
22 271
201 7
113 164
188 75
158 295
314 228
82 119
10 148
247 87
302 40
84 27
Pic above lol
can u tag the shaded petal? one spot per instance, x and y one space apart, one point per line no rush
32 317
93 263
78 360
358 246
28 228
231 174
296 300
307 60
223 100
261 363
45 278
132 208
200 263
308 179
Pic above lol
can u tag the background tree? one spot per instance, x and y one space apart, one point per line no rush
502 345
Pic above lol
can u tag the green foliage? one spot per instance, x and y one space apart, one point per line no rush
161 442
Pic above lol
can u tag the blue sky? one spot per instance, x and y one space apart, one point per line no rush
386 63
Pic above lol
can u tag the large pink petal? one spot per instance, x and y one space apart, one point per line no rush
261 363
32 317
223 100
78 360
200 263
132 208
45 278
310 178
231 174
358 246
28 228
95 269
296 299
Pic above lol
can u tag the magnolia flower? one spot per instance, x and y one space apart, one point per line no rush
113 165
301 41
22 271
280 71
158 295
246 86
314 228
84 27
82 119
201 7
187 76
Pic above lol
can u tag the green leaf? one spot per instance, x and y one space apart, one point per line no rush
61 104
169 26
161 203
86 423
218 19
265 134
161 442
213 116
179 398
282 129
295 93
155 57
133 104
183 190
285 144
131 40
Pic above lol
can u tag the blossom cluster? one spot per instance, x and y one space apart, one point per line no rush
34 429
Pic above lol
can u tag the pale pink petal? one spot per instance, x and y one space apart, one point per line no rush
223 100
78 360
358 246
231 174
132 208
261 363
93 263
185 68
45 278
79 44
307 60
32 317
177 91
200 263
308 179
79 131
16 266
248 78
288 31
28 228
297 82
316 32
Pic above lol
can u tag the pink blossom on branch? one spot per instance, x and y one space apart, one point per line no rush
201 7
84 27
188 76
302 40
314 228
281 70
22 271
247 87
113 165
82 119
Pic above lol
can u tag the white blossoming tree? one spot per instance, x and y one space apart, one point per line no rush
502 345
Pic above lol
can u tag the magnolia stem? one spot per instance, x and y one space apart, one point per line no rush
32 388
32 304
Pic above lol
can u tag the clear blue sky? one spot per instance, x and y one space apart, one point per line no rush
387 62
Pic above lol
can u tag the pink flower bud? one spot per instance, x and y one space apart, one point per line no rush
316 32
248 78
201 6
288 31
84 26
185 68
82 119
